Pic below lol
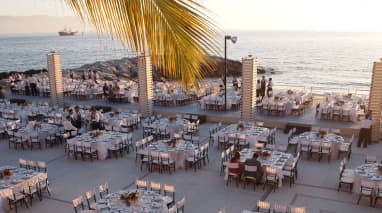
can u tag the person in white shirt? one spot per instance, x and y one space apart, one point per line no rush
94 119
68 126
365 131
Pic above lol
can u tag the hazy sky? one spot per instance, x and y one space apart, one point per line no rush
348 15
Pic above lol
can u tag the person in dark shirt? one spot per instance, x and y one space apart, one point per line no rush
254 162
263 84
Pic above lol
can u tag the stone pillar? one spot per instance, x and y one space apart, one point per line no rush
55 79
145 84
248 86
375 99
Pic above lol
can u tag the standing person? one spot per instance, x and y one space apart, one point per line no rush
258 88
365 131
105 89
71 75
33 86
77 117
89 74
269 88
94 119
96 76
83 76
263 84
235 84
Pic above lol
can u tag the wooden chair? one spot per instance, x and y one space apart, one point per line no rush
91 200
43 185
304 147
166 163
345 179
279 208
31 190
11 138
103 190
223 163
326 149
263 206
367 190
294 209
378 194
41 166
169 189
90 153
231 175
289 172
180 205
23 163
20 141
194 161
15 198
271 178
141 184
115 150
78 204
315 148
157 187
35 140
50 141
249 177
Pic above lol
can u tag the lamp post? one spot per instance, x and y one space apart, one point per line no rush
233 39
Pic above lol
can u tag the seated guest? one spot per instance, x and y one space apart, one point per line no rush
254 162
235 159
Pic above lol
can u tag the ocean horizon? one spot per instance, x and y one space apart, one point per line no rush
300 59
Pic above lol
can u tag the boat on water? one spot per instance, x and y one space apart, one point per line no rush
67 32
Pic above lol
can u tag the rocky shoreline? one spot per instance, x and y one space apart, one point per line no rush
126 68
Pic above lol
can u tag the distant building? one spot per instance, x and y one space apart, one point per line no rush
145 76
375 99
248 86
55 79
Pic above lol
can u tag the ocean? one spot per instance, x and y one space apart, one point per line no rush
316 61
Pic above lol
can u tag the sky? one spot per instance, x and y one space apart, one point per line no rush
319 15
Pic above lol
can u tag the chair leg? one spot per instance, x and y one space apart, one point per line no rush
359 198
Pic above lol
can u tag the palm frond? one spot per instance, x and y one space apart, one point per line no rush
177 34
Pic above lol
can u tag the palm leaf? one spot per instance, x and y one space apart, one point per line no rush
176 34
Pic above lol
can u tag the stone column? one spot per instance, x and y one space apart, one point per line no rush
375 99
55 79
145 84
248 86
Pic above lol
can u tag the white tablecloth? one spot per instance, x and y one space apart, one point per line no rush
100 143
366 172
179 154
19 179
252 133
276 160
149 201
333 139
